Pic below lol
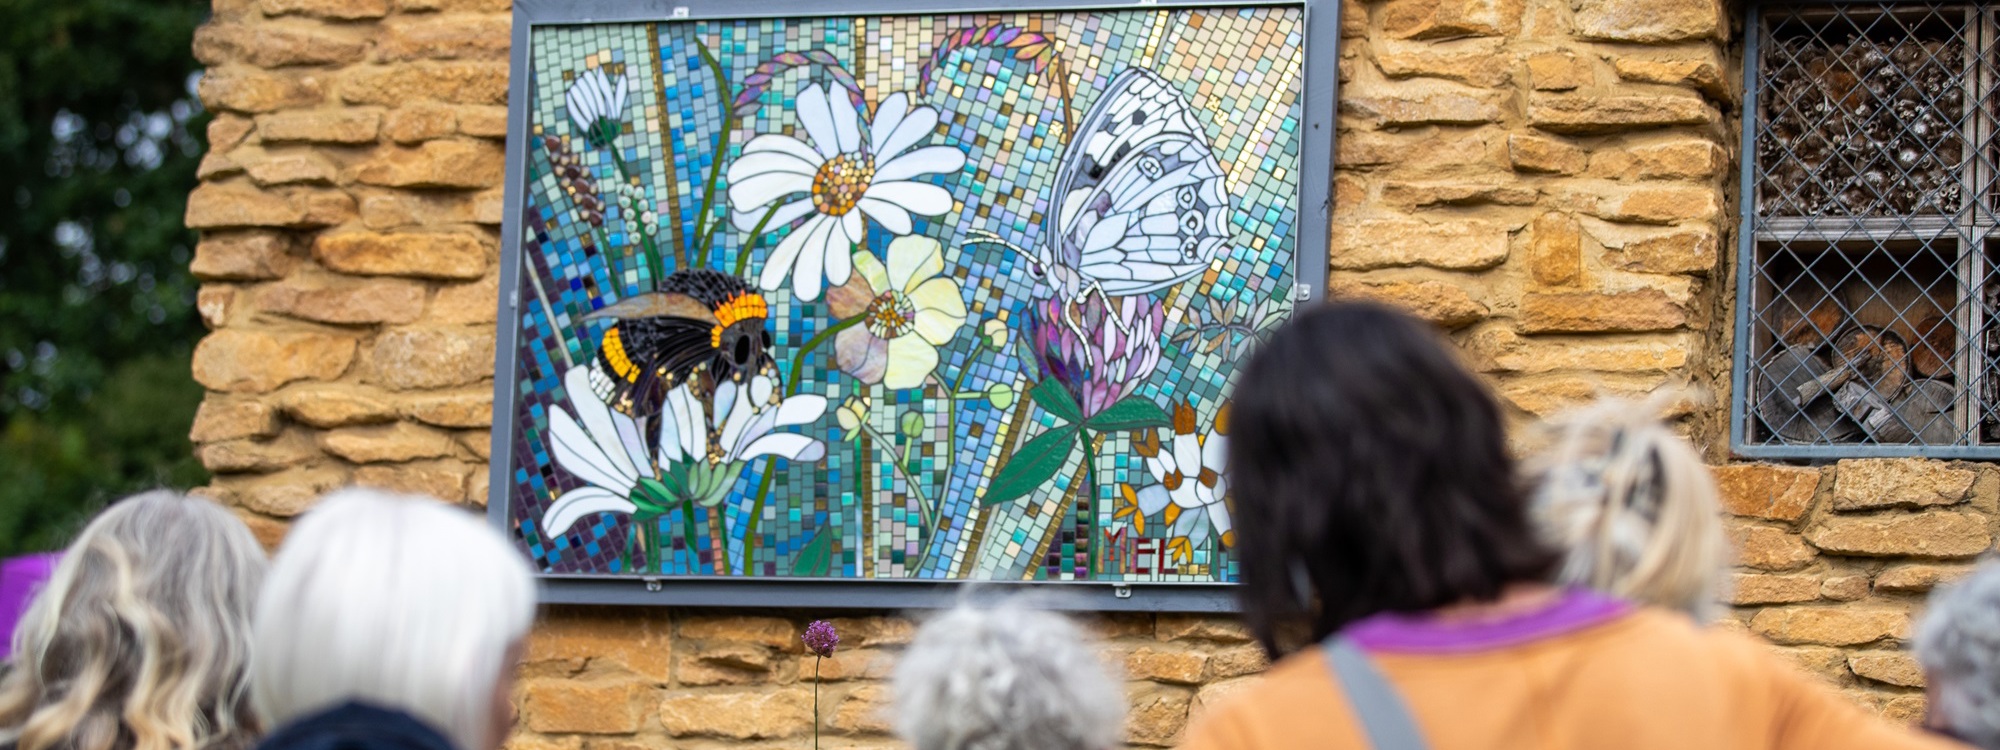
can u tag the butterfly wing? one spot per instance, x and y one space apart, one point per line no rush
1141 204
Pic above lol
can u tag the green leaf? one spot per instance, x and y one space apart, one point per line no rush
816 558
652 496
1056 401
1130 413
1033 465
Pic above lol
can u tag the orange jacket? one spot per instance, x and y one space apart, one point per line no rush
1643 680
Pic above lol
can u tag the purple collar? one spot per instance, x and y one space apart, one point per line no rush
1419 633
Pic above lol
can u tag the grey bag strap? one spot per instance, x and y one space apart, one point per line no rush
1383 717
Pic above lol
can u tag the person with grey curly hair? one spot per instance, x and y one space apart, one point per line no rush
1959 647
1006 678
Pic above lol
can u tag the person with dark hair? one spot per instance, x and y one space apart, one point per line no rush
1390 564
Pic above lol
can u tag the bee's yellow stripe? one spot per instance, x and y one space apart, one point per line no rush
614 353
738 308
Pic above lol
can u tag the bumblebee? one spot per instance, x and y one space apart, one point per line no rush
701 327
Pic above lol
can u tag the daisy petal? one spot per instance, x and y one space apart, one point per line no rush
889 215
1187 453
854 226
577 454
725 405
760 390
917 124
766 188
923 161
846 121
888 115
575 504
670 433
809 272
1215 453
1152 499
751 165
786 214
784 144
922 199
787 253
635 445
600 421
818 120
839 264
693 424
799 410
789 445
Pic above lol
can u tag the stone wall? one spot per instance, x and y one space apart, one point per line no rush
1550 180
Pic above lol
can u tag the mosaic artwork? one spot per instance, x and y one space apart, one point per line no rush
932 297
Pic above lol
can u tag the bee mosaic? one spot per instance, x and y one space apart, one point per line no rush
701 327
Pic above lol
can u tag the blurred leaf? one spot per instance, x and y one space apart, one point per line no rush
99 138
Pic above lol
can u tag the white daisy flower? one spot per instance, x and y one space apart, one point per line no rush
1192 490
836 179
696 461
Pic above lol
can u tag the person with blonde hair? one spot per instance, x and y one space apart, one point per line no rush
1631 507
390 622
1006 677
140 639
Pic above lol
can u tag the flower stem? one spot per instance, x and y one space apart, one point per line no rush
770 465
743 254
647 251
604 249
721 149
1089 491
816 702
926 516
689 530
799 359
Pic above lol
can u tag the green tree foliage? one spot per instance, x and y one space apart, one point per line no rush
99 138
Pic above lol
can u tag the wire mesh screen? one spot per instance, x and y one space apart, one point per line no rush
1870 280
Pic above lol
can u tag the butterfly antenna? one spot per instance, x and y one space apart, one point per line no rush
983 237
1117 321
1073 319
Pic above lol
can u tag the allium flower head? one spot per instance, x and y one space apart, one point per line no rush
820 638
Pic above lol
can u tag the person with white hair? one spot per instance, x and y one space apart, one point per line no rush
390 623
1958 645
1631 507
1006 678
140 639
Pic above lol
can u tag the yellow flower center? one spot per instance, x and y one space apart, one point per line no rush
840 182
890 315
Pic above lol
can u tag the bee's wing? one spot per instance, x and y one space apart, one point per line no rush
657 353
1141 204
656 305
